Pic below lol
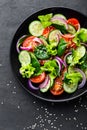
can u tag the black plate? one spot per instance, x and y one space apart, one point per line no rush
23 29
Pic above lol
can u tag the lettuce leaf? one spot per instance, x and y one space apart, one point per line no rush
27 71
73 77
45 19
51 68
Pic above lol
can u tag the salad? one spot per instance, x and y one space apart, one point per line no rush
53 56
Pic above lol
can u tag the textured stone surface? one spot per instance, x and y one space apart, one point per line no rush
18 109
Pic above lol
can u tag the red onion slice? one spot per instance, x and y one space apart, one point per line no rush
32 86
72 36
60 66
61 20
36 39
83 78
61 61
26 48
69 53
44 84
18 43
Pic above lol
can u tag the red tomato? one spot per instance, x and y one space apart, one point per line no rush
63 72
57 89
38 79
47 30
29 42
74 22
71 45
67 37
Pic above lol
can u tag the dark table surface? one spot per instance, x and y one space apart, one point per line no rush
18 109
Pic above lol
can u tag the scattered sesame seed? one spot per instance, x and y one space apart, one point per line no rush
77 125
74 118
18 107
2 103
13 92
76 110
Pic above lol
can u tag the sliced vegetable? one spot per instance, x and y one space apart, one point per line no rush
19 42
47 30
43 40
74 22
57 88
59 21
29 43
46 88
78 54
83 78
24 58
70 88
44 83
68 58
30 85
38 79
54 37
61 61
60 16
36 28
71 29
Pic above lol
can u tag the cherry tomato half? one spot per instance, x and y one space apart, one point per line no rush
38 79
67 37
29 42
47 30
57 89
74 22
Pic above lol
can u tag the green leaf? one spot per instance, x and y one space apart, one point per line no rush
61 47
78 54
41 52
45 19
51 50
83 63
73 77
82 35
51 67
27 71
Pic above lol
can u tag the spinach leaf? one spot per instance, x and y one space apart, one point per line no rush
61 47
41 52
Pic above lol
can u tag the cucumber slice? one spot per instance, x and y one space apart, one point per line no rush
24 57
71 29
51 81
53 38
46 88
36 28
60 16
70 88
43 40
81 50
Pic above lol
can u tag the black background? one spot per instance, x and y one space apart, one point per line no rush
18 109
